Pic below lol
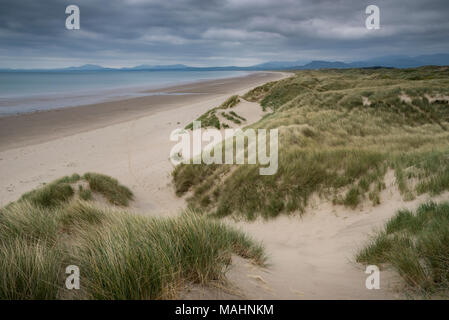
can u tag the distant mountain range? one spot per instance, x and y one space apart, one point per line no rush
394 61
94 67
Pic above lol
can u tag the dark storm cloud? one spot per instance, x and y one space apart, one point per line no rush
242 32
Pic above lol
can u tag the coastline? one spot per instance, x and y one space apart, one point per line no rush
31 128
28 92
127 139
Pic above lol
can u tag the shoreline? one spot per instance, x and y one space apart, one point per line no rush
26 129
128 140
19 103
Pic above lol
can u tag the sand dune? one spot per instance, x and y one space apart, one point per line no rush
126 139
313 257
310 256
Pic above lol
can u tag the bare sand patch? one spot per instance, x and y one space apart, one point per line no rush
405 98
365 101
438 97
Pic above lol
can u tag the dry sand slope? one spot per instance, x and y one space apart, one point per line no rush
310 256
313 257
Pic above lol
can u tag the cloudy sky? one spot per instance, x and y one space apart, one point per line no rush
215 32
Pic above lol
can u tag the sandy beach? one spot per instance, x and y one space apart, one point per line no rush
311 257
127 139
224 159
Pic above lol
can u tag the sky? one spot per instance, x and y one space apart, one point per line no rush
120 33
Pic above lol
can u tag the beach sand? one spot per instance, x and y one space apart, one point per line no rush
127 139
310 256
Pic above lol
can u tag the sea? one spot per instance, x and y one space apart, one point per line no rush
23 92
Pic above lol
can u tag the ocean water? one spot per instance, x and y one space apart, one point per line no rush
22 92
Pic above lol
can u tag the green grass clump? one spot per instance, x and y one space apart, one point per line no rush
352 197
185 176
210 119
29 270
258 93
417 246
280 94
232 113
85 194
231 118
120 255
30 261
68 179
50 195
340 132
133 257
61 191
230 102
110 188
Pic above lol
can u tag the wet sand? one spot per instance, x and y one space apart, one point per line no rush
31 128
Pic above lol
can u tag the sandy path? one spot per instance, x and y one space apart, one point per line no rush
313 257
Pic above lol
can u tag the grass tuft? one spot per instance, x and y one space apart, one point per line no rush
416 244
121 255
210 119
110 188
230 102
85 194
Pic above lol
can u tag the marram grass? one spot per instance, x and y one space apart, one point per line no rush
121 255
340 132
416 245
